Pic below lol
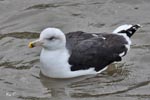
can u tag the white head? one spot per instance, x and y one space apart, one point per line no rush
51 39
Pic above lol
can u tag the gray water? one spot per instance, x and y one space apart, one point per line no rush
22 20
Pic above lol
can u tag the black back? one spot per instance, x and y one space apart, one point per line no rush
98 50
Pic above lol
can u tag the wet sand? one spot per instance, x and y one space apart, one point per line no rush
21 22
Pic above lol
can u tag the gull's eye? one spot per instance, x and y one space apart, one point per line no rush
51 38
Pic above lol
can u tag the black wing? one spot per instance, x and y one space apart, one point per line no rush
98 50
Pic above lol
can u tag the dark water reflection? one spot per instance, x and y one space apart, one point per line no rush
21 22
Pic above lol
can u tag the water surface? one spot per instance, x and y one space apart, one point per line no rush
21 22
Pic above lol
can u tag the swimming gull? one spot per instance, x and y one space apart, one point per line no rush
79 53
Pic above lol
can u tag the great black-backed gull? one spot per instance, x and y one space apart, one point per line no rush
79 53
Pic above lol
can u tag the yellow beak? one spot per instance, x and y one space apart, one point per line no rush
30 45
35 43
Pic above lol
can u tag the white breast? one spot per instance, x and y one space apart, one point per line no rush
54 63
